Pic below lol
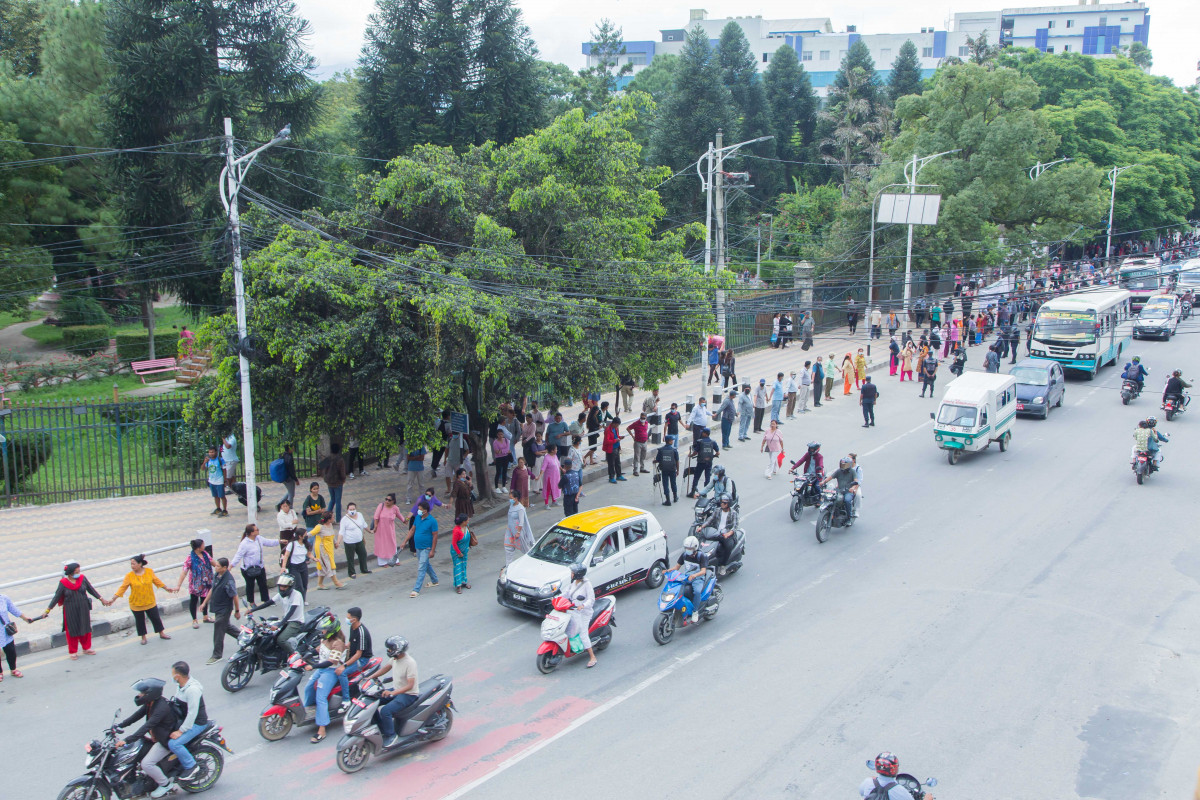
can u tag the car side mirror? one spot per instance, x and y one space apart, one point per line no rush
931 782
931 416
596 560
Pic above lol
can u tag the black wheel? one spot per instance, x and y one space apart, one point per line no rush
274 727
714 602
354 756
664 627
1140 478
1061 399
237 673
824 523
952 456
211 764
1124 398
78 790
796 509
547 662
1004 441
654 576
1170 414
446 723
603 639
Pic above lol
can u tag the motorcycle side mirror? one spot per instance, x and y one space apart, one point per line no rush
870 764
931 782
931 415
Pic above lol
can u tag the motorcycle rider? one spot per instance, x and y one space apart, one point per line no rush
191 694
721 484
724 520
358 646
812 461
330 654
847 484
1136 371
580 593
694 563
1155 437
666 458
887 766
1175 386
404 686
157 729
293 616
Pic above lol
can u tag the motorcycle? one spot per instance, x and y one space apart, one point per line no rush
710 544
556 646
959 363
704 507
429 719
1174 405
115 770
832 514
1142 466
677 608
806 493
287 697
1129 391
259 651
910 783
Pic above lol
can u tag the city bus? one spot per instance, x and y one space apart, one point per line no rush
1084 330
1143 277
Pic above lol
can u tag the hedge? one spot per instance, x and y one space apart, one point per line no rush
24 452
81 311
136 346
85 340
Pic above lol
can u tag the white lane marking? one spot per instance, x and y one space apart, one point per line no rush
898 438
1084 399
884 539
767 505
488 643
905 526
246 752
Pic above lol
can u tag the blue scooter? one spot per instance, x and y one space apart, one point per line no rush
676 607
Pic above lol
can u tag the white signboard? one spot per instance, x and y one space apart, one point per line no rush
909 209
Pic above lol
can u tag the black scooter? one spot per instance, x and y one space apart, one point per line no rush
1129 391
259 650
806 493
710 544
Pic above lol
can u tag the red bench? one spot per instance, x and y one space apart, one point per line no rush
144 368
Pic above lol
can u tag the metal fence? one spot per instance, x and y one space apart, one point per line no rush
53 453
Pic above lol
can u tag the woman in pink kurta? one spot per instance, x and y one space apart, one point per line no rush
551 472
520 481
386 514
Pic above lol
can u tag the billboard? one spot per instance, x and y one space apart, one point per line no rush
909 209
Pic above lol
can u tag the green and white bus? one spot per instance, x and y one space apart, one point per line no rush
1084 330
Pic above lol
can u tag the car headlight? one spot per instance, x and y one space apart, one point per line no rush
503 573
551 587
1037 401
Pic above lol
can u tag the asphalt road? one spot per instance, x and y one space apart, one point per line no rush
1017 625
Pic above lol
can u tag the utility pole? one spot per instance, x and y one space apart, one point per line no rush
229 185
1112 201
758 251
719 203
911 173
707 261
771 237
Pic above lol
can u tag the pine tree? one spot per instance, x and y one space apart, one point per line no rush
855 119
180 67
739 72
793 107
20 34
906 73
600 80
696 109
390 74
507 62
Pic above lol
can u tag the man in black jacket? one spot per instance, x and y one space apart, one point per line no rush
667 460
222 601
160 723
705 450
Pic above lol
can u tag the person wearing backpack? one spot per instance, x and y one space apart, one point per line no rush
667 460
884 786
283 470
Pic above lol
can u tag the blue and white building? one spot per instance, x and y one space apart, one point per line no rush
1091 29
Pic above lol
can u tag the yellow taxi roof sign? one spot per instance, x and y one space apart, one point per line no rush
598 519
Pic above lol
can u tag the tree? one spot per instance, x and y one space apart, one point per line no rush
699 106
560 87
599 81
26 270
178 68
739 71
906 73
856 118
856 78
20 34
657 79
448 72
793 106
1140 54
979 51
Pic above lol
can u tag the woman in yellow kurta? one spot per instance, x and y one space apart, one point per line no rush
325 541
140 581
860 368
847 373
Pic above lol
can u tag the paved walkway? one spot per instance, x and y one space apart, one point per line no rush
37 540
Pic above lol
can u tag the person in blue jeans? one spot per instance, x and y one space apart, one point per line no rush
424 535
330 655
404 689
191 694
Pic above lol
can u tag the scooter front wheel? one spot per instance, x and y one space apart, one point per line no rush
548 662
664 627
797 508
353 756
274 727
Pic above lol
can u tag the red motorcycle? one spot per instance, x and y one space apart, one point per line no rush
287 700
555 645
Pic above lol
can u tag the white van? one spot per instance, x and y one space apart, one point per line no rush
977 409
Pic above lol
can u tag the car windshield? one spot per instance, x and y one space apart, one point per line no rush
1155 312
957 415
562 546
1070 327
1029 376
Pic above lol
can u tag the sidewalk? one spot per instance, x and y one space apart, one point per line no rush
37 540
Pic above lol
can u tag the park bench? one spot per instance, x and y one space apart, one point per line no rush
144 368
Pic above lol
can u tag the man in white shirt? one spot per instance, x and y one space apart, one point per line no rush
805 386
229 455
790 390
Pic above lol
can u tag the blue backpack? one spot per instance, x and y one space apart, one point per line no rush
278 470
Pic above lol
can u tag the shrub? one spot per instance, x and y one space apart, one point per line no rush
85 340
136 346
25 452
77 310
105 364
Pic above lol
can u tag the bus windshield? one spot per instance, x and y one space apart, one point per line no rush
1068 327
1139 278
963 416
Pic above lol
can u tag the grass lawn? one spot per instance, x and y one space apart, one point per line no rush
164 319
13 317
45 335
96 390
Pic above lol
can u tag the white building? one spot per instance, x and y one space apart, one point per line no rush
1090 29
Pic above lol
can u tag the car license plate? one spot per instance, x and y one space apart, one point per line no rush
1020 406
520 598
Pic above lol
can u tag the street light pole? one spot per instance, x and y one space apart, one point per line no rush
1037 169
1113 174
915 167
871 252
229 185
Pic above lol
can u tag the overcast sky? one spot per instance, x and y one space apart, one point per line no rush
560 27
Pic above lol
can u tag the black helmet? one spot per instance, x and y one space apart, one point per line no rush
148 690
578 571
396 646
718 471
814 447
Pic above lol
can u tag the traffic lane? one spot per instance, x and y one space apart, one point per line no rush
1012 607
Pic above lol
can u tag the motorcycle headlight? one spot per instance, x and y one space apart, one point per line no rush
551 587
1039 400
244 638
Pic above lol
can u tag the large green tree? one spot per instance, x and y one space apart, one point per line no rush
25 270
20 34
599 81
855 121
739 71
688 121
793 105
906 73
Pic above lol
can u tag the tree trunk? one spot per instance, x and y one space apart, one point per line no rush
149 323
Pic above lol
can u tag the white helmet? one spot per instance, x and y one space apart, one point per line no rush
691 544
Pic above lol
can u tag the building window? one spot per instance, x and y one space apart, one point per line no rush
1066 48
926 52
806 55
1103 22
964 51
766 57
1124 19
824 55
638 59
1050 49
1050 24
1070 23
